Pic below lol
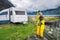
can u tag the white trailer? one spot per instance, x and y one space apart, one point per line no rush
15 15
18 15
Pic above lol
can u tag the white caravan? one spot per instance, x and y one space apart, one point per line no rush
15 15
18 15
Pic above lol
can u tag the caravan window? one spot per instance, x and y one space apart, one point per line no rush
10 12
20 12
3 13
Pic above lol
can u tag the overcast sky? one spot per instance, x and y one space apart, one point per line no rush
36 4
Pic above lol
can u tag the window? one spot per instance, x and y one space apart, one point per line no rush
4 13
20 12
10 12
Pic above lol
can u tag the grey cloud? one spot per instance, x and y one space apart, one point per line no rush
36 4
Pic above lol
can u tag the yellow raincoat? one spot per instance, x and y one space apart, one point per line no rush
40 28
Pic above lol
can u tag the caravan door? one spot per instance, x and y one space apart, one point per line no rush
11 16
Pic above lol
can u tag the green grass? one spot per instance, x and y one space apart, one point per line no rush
16 31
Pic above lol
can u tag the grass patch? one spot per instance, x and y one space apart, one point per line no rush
16 31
